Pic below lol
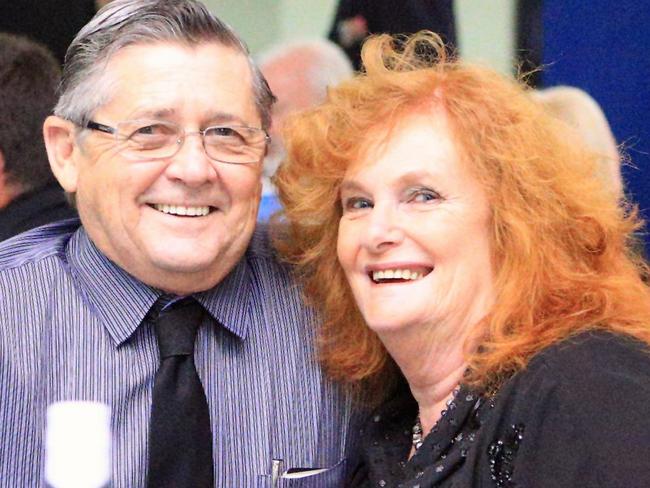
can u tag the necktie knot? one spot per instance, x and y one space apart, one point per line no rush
176 328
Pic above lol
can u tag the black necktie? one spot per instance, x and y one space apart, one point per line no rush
180 438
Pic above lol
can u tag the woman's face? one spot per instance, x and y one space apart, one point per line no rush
414 235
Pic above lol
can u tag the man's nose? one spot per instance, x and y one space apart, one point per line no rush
191 164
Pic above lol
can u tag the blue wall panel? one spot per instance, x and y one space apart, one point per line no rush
603 47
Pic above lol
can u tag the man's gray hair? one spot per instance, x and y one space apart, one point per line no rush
85 86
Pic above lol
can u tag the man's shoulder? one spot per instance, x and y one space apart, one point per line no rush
36 244
272 276
261 249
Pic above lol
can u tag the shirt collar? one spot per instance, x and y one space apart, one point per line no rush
121 301
229 302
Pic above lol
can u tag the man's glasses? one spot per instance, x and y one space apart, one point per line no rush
147 140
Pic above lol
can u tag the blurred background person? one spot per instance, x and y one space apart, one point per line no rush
458 240
51 23
299 74
582 113
601 48
29 194
356 19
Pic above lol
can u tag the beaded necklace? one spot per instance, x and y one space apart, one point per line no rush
417 437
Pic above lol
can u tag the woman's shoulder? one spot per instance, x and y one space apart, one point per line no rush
581 402
596 355
581 382
582 371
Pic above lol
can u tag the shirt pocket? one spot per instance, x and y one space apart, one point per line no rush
332 477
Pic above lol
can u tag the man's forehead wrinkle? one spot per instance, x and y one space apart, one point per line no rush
154 101
223 117
171 113
143 112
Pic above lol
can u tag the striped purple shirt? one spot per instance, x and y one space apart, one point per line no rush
74 326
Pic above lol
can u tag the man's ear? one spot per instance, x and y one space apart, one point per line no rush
59 135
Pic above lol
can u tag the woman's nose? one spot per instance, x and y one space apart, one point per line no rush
384 229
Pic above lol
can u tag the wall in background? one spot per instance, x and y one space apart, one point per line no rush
602 47
265 22
486 32
485 29
258 22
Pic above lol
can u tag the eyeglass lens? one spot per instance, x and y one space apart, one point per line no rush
146 140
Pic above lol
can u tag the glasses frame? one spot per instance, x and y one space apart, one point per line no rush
107 129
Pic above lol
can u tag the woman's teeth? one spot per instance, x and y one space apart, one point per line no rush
396 274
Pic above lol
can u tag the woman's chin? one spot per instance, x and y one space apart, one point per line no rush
384 325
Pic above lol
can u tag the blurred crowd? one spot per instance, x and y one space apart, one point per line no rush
299 73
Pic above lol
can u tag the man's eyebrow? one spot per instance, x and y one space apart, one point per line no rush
213 118
226 118
158 113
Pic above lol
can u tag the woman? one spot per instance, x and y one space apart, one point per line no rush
445 224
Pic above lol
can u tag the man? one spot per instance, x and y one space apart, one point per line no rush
299 74
159 135
29 195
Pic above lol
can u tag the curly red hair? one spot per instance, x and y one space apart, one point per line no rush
562 244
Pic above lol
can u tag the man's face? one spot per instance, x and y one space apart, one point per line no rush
132 209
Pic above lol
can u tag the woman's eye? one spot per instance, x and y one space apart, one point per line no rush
423 196
356 203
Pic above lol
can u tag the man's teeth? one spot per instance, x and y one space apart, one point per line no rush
396 274
181 210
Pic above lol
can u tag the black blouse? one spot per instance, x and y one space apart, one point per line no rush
577 416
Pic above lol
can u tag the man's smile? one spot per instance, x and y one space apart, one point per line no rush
183 210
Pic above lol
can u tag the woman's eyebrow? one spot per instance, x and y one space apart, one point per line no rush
350 186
